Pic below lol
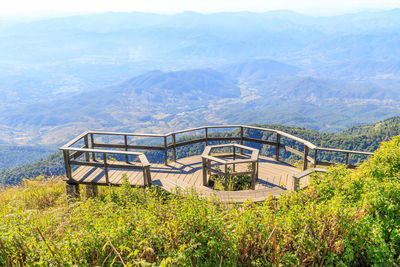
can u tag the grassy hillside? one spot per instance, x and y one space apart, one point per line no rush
344 218
363 138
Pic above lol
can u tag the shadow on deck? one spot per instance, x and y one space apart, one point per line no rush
274 178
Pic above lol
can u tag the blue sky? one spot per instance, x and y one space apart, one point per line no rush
315 7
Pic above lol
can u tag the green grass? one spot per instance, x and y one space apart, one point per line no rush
343 218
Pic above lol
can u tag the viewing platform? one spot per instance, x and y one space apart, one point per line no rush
105 158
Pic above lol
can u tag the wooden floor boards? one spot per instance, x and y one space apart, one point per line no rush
273 178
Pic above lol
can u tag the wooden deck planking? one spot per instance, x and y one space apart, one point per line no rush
187 172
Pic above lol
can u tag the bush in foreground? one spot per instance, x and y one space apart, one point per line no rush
343 218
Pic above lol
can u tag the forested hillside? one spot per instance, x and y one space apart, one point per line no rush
12 156
362 138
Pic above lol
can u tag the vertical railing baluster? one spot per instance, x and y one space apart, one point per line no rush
305 162
165 151
85 138
347 158
315 157
253 175
126 147
173 148
206 135
278 144
204 165
92 145
68 172
241 139
105 167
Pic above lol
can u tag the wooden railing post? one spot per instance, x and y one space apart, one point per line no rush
315 157
173 148
278 144
165 151
234 157
68 172
126 147
85 138
92 142
253 175
241 138
296 182
105 167
305 162
204 165
226 176
206 135
148 175
347 158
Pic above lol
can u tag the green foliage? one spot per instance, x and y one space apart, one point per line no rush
343 218
231 182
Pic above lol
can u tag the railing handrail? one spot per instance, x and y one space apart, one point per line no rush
305 155
344 151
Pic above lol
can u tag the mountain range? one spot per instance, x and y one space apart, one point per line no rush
150 72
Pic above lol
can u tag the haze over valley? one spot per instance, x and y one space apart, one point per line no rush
146 72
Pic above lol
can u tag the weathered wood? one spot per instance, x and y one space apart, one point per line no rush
148 175
128 134
110 164
76 154
91 190
165 151
345 151
305 161
105 167
204 171
315 157
67 164
126 147
259 141
325 163
75 140
253 175
272 172
85 138
72 190
122 146
173 148
292 150
206 135
298 176
278 142
92 146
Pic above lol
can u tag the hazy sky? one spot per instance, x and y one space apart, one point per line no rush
174 6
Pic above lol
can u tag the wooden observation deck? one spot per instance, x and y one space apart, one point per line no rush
108 163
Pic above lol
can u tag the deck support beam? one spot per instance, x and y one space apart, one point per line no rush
91 190
73 191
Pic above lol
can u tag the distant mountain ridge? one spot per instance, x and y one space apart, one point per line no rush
98 71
